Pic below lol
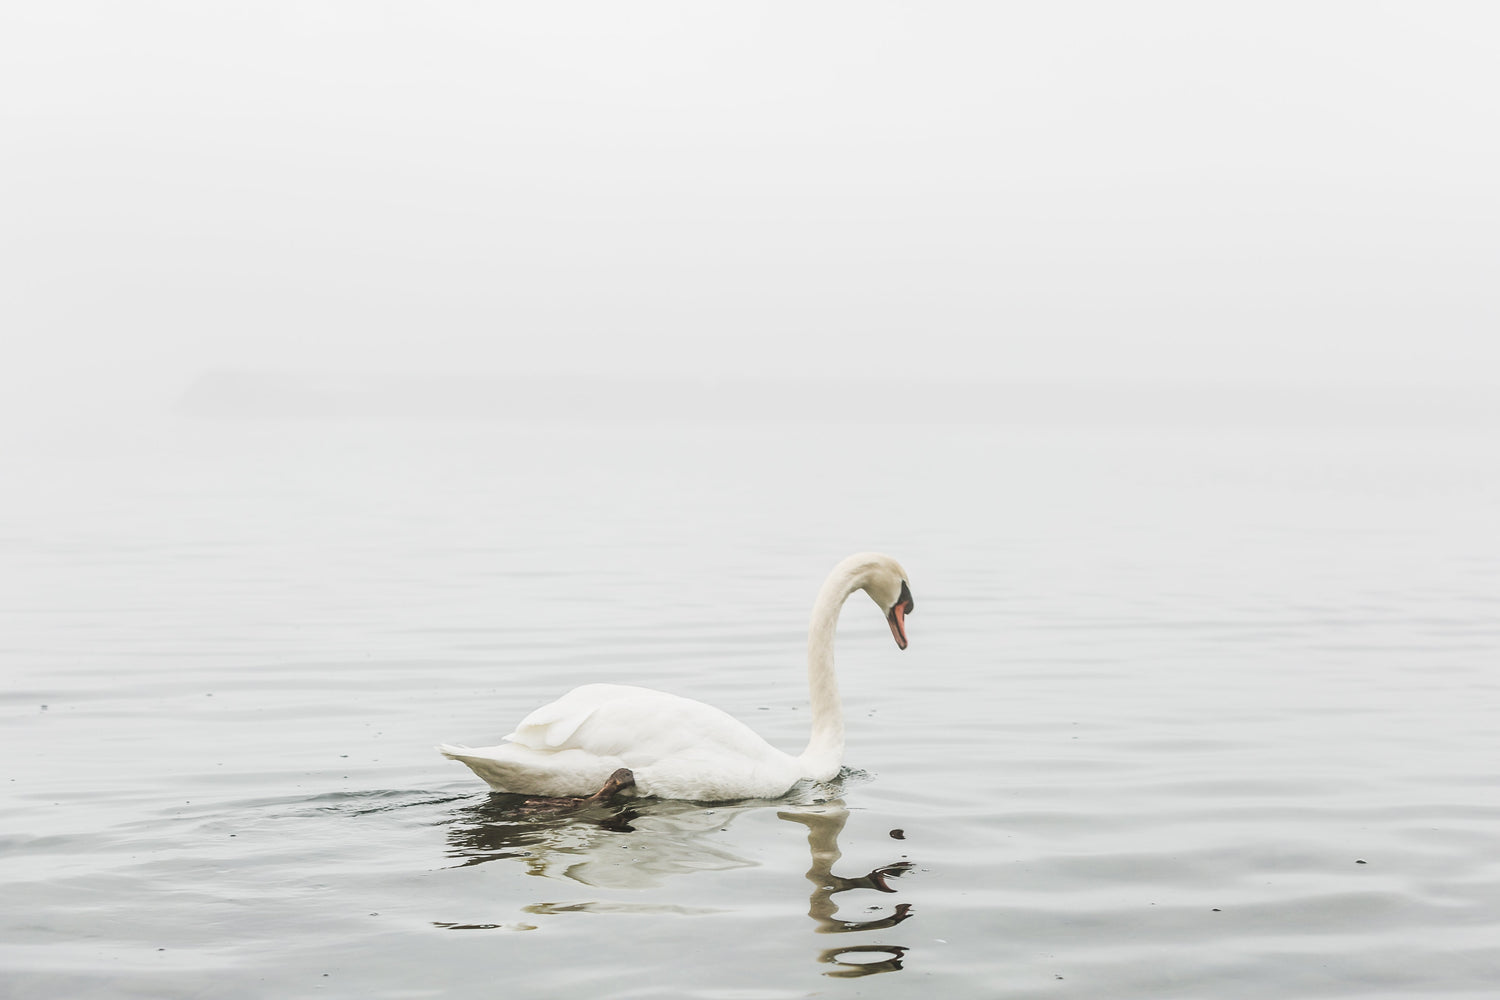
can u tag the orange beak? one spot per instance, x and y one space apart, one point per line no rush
897 617
897 620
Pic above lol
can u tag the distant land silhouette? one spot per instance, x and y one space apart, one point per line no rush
252 394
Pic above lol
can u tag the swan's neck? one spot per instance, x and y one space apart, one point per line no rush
824 755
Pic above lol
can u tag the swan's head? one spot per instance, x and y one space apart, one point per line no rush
885 581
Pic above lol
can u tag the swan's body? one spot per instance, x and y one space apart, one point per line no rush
678 748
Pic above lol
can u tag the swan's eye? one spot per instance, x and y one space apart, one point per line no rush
905 598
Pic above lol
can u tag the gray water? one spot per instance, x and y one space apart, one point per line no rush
1188 711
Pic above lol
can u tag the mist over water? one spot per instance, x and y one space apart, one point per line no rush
1166 193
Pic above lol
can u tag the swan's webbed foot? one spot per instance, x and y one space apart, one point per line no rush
619 783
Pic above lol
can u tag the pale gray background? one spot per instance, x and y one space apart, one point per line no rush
1202 192
1201 693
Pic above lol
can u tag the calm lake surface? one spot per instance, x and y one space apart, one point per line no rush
1188 711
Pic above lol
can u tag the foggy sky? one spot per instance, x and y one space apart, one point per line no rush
1207 192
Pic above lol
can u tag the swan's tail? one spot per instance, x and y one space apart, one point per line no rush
453 751
513 768
502 776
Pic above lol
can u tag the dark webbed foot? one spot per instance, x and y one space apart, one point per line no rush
619 783
622 781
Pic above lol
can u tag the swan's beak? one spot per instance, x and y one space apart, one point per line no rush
897 617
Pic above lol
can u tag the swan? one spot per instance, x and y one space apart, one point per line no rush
677 748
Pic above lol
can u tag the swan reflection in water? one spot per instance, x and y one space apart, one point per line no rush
634 846
823 828
642 843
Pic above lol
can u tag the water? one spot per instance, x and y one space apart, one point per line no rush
1187 712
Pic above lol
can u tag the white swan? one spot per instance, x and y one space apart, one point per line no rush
678 748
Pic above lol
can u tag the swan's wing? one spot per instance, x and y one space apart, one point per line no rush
555 723
639 725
